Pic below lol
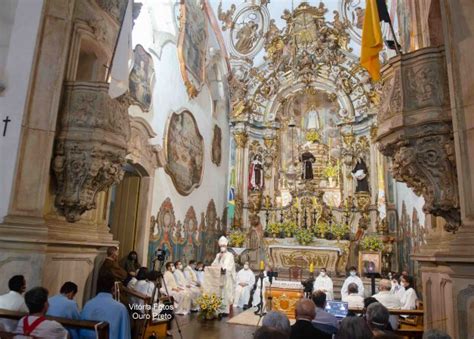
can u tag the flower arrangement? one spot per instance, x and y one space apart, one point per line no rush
340 230
331 171
321 229
289 228
304 236
371 243
312 136
236 238
274 228
209 305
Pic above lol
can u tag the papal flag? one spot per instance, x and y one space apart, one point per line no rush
372 40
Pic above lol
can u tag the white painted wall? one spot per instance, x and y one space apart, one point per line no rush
18 68
170 96
405 194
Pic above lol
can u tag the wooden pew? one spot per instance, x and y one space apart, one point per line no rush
410 328
101 326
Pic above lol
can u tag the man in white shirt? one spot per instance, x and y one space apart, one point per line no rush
324 283
182 282
353 299
390 301
352 278
35 323
13 301
245 281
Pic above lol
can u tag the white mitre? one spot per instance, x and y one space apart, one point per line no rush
223 241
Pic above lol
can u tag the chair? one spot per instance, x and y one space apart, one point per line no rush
295 273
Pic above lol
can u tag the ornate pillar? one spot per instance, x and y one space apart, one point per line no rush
415 130
241 139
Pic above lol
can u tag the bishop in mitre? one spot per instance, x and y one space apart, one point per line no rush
225 261
324 283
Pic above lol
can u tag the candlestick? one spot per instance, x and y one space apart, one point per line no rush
262 265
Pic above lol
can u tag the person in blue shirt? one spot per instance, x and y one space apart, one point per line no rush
103 307
63 305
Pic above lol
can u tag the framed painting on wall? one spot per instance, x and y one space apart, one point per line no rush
192 44
369 262
184 147
141 78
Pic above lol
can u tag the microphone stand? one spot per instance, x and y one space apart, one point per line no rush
260 312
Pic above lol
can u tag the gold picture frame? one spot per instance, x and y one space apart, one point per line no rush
192 44
370 262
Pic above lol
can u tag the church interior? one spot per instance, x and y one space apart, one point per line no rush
281 151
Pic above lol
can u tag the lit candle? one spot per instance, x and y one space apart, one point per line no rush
311 268
262 265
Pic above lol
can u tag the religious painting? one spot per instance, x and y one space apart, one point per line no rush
247 31
369 262
141 78
192 44
161 228
184 152
216 151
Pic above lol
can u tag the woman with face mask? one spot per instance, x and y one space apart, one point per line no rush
352 278
409 298
324 283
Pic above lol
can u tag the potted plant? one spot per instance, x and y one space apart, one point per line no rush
236 238
341 231
331 172
289 228
304 236
321 229
209 305
371 243
274 229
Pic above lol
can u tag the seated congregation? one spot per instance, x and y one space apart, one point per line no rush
181 286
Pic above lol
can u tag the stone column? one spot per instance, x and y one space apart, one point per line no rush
31 179
241 139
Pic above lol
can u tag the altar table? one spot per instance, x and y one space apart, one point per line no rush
286 252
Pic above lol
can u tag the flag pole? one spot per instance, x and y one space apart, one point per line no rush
397 50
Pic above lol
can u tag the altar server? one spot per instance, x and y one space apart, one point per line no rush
182 282
245 282
225 260
182 297
324 283
190 274
200 272
409 298
352 278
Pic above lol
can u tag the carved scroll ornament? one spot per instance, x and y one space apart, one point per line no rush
90 148
415 130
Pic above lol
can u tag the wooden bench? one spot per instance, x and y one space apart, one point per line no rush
412 327
102 327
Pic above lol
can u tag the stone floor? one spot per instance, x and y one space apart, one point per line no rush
193 328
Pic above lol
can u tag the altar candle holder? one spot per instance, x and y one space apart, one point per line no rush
313 217
267 215
305 216
281 215
296 215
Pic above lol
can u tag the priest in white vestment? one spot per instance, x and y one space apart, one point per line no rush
324 283
182 297
245 282
352 278
182 282
225 260
190 274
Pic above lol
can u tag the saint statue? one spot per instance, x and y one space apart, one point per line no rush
307 158
246 37
312 122
256 178
360 174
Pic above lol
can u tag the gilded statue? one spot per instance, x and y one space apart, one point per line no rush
246 37
226 16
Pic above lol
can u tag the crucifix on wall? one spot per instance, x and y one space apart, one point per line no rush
5 125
